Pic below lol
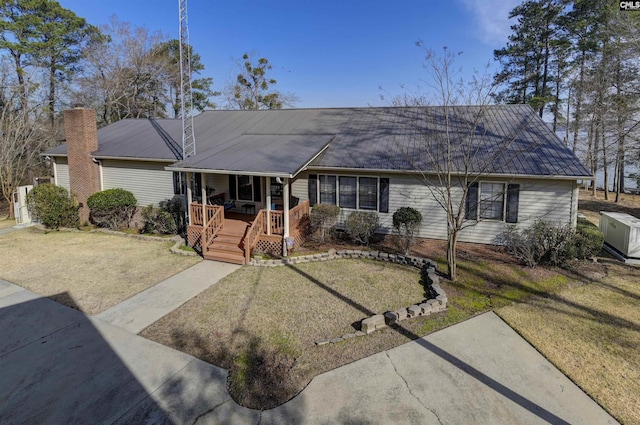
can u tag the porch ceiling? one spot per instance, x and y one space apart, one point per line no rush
258 154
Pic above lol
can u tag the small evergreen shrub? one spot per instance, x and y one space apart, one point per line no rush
407 221
112 208
324 217
361 226
53 206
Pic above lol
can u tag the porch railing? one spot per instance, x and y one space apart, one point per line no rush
213 225
253 234
211 220
297 213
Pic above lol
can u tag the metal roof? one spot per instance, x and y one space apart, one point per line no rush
497 139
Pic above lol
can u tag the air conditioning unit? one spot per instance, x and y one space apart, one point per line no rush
622 233
20 205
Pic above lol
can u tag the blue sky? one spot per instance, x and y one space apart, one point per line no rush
329 53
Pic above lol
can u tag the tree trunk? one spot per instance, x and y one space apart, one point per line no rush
578 107
452 259
52 94
605 164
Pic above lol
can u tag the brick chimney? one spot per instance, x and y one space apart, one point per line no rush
81 132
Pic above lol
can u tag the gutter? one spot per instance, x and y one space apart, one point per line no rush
230 172
519 176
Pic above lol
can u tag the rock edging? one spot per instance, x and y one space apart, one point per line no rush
333 254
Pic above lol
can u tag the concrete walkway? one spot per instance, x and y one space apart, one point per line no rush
59 366
141 310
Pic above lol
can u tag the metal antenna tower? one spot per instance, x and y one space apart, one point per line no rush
186 94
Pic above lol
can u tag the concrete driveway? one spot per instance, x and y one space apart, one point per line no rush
58 366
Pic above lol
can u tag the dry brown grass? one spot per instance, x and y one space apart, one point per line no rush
88 271
591 206
591 332
6 222
288 309
591 329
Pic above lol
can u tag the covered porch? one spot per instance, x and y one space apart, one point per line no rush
233 237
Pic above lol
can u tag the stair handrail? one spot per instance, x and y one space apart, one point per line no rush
213 226
253 234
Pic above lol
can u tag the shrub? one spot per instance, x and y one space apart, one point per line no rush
406 221
175 207
53 206
547 243
112 208
324 218
589 239
361 226
158 220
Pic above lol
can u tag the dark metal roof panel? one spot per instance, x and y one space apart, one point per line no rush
505 139
265 154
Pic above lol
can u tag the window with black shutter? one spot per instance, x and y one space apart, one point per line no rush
233 194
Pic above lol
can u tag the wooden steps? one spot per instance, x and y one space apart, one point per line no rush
228 246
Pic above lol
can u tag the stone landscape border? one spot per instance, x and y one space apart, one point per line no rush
436 297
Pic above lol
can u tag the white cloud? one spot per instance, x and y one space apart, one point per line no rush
491 18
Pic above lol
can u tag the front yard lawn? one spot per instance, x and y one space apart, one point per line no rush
88 271
6 222
591 331
262 323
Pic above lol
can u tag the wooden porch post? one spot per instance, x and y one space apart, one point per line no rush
285 200
203 193
268 196
189 198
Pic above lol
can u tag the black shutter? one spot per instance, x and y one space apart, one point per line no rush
313 189
471 204
257 196
233 193
513 196
384 195
197 186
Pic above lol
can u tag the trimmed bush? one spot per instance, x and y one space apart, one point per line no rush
361 226
324 217
548 243
589 239
53 206
112 208
407 221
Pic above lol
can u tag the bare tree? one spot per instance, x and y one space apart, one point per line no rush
21 141
453 147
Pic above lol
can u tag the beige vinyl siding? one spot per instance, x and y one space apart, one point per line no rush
62 172
219 182
550 200
149 182
300 186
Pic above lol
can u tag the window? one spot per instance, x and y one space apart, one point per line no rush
491 201
368 193
245 191
348 191
365 193
245 188
328 190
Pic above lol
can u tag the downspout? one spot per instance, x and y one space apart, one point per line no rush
99 162
55 171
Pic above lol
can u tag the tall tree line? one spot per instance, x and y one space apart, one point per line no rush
579 62
50 59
